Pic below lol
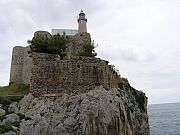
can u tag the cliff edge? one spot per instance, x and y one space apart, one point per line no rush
119 111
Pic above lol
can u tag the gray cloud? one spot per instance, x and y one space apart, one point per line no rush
141 38
123 54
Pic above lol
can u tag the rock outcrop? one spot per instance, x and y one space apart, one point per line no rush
120 111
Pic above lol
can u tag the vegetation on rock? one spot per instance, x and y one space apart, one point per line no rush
10 120
14 89
87 50
56 44
6 127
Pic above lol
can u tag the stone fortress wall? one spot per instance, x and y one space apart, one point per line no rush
76 42
20 65
21 62
52 76
47 74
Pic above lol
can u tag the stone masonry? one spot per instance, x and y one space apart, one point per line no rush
20 65
53 76
21 62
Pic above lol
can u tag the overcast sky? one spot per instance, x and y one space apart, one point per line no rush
140 37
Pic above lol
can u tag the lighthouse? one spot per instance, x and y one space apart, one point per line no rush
82 22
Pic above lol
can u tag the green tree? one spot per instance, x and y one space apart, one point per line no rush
55 44
87 50
39 44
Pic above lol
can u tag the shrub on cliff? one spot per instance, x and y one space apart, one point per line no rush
39 44
87 50
6 127
56 44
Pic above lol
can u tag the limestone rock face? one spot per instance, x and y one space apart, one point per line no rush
37 126
13 107
10 133
2 112
119 111
10 118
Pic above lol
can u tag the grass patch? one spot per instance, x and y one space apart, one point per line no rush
6 127
11 93
14 89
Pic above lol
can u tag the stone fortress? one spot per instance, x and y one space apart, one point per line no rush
65 97
47 74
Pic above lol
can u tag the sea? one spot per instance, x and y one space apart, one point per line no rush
164 119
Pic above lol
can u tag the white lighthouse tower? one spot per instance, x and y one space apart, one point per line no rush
82 22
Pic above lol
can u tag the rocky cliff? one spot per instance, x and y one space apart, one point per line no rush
120 111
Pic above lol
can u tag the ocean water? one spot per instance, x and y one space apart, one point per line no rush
164 119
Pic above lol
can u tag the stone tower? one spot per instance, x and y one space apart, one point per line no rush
82 22
20 65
